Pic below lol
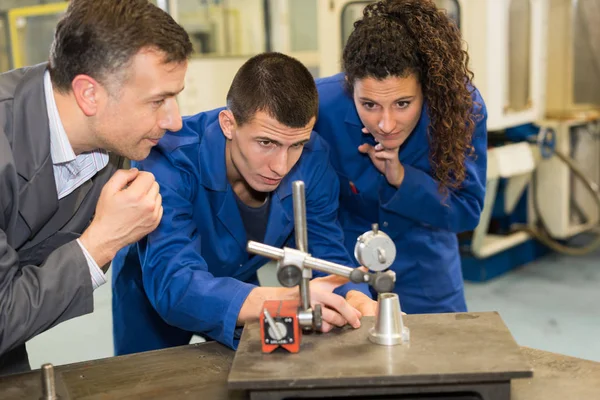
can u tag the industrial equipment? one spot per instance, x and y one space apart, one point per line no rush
282 321
573 78
32 31
542 186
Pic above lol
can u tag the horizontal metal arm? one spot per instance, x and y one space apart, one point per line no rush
275 253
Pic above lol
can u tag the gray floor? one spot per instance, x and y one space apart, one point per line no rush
552 304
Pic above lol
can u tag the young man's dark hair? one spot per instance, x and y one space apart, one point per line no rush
99 37
276 84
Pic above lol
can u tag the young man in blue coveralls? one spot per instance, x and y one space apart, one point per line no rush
225 178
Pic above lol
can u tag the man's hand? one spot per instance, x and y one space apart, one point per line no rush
129 207
385 160
363 303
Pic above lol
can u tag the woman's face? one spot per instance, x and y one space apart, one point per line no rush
389 108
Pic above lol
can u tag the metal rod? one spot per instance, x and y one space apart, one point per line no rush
305 292
48 384
301 235
265 250
375 228
273 324
300 216
328 267
311 262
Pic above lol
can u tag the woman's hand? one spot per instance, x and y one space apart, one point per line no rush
385 160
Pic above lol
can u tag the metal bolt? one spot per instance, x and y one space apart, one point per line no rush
48 384
375 228
381 255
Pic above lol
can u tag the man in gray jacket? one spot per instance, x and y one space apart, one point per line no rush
108 92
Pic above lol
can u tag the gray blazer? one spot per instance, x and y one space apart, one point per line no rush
44 276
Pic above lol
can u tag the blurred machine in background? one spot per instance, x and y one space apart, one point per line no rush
27 33
536 63
543 176
573 85
565 203
5 64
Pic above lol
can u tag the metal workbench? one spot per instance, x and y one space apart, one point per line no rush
201 371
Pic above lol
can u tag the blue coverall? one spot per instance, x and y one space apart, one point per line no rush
193 273
428 270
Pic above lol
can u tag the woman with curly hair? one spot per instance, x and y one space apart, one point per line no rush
408 139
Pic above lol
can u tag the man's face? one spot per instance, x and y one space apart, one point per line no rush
262 151
135 116
389 108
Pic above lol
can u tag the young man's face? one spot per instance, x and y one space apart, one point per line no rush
262 151
136 115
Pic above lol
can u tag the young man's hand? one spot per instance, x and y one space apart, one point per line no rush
363 303
336 310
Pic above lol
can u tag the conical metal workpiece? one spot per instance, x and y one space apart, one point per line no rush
389 328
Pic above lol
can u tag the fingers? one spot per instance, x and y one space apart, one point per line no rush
154 191
384 156
158 217
339 305
378 152
333 318
361 302
326 327
378 157
157 205
366 148
158 209
121 179
369 308
381 153
142 184
328 283
379 149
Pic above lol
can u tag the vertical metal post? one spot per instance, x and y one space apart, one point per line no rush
48 384
301 238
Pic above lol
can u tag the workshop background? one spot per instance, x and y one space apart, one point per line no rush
535 255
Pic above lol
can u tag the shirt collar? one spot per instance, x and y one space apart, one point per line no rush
60 147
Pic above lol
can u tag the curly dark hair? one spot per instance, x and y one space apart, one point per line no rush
405 37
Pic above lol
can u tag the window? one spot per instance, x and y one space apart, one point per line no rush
353 11
586 71
222 27
519 55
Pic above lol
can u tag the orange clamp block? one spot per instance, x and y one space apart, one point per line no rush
285 315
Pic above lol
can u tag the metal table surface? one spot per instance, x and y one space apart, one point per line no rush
448 353
457 348
201 371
